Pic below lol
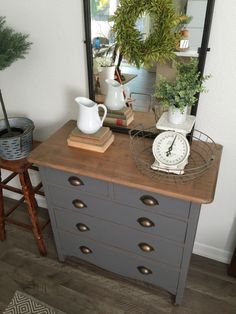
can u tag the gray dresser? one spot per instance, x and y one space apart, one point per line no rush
100 213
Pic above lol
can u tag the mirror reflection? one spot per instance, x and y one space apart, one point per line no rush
139 84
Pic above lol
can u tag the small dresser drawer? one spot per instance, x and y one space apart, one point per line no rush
120 262
76 182
151 201
137 242
128 216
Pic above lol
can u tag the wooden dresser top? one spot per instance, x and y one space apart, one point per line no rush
117 165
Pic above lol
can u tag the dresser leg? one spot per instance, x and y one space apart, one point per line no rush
2 215
188 248
31 206
61 257
178 299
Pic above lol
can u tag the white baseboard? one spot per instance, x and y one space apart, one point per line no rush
40 199
212 252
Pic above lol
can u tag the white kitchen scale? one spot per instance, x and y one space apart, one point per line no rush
171 148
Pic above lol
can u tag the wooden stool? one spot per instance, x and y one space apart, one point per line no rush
20 168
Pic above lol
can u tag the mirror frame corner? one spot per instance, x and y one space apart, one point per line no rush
202 50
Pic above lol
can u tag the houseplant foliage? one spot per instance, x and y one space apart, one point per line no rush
100 62
161 42
97 6
183 91
15 139
13 45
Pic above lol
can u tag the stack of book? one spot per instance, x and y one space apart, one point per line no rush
121 117
97 142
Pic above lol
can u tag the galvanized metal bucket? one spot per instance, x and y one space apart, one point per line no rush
19 146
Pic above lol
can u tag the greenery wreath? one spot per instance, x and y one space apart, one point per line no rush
160 43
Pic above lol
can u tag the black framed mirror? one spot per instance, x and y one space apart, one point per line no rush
97 27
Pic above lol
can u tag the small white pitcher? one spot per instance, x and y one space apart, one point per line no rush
114 99
89 121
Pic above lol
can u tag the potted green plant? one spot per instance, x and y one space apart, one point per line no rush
15 133
181 93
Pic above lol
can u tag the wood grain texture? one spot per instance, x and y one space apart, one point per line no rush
99 148
116 165
20 168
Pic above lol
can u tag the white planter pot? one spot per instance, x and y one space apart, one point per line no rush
175 116
106 73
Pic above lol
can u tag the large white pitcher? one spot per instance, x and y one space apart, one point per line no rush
89 121
114 99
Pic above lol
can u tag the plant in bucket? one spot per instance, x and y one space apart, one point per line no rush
15 133
180 94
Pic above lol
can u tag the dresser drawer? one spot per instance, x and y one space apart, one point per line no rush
76 182
137 242
145 221
120 262
151 201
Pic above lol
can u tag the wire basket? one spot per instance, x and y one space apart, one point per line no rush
19 146
202 154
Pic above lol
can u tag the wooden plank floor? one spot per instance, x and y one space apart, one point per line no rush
78 288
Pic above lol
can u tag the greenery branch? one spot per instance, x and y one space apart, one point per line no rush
161 42
13 45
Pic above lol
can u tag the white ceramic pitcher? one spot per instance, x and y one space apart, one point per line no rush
89 121
114 99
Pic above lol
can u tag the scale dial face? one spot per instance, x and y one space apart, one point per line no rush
171 149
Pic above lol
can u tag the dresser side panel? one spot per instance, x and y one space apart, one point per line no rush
188 248
50 207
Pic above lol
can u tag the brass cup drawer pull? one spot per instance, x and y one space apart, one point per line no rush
75 181
85 250
79 204
144 270
145 247
145 222
82 227
149 200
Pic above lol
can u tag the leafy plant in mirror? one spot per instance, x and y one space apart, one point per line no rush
13 46
183 91
160 43
103 58
184 21
98 6
100 62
